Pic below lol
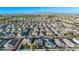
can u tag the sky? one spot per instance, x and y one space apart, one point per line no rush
30 10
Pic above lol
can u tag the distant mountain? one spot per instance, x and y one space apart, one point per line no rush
51 13
40 13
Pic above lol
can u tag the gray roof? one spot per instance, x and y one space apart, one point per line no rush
13 41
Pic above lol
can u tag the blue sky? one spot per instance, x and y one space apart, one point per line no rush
27 10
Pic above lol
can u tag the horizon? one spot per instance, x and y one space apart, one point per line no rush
33 10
